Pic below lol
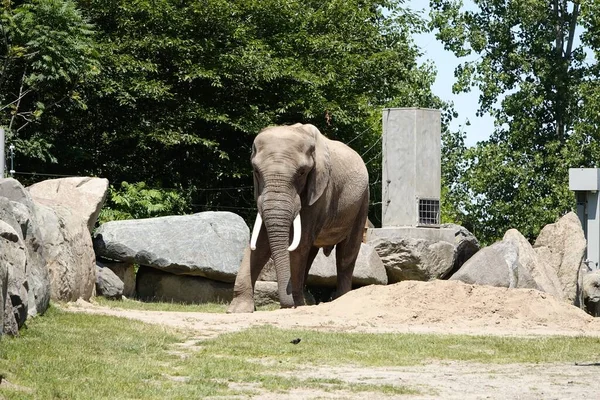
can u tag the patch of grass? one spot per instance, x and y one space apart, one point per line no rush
366 349
131 304
75 356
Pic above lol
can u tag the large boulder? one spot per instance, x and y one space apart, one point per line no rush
10 229
208 244
4 299
542 273
415 259
496 265
125 272
13 283
466 246
26 214
84 196
157 285
108 284
562 246
69 253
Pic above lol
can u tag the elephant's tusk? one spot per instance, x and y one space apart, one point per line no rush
297 233
255 231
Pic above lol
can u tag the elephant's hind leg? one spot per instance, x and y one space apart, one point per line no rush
346 253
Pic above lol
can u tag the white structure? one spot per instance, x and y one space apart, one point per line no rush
411 175
585 182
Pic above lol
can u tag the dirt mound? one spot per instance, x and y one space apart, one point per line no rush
411 306
459 307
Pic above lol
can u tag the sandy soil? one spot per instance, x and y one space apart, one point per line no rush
442 307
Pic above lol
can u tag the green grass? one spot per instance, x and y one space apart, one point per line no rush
64 355
131 304
387 349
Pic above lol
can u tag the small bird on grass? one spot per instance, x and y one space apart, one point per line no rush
296 341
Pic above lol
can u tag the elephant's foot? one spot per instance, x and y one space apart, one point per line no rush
239 305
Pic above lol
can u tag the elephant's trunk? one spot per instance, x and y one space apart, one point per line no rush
279 206
278 233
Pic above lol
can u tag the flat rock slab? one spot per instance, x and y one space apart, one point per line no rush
208 244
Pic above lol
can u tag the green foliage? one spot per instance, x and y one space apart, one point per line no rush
47 50
525 59
185 86
135 201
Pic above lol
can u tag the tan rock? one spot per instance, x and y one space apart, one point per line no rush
542 273
561 246
84 196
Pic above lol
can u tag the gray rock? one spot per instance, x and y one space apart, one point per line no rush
368 270
591 293
25 212
562 246
84 196
13 259
544 276
208 244
10 231
265 293
496 265
415 259
4 298
70 257
466 246
108 284
157 285
9 326
125 272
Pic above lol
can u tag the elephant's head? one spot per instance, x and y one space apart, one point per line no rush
291 170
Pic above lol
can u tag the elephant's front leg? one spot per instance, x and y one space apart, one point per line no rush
243 290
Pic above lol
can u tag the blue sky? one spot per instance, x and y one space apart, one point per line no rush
466 104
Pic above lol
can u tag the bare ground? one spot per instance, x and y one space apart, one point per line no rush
440 307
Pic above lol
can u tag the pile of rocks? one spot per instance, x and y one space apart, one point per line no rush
45 245
47 252
554 264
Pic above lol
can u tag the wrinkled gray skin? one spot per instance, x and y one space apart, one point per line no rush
299 171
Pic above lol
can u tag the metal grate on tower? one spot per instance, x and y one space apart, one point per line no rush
429 212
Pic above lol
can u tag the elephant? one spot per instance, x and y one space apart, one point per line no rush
313 187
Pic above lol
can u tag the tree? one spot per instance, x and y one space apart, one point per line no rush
47 50
185 86
525 59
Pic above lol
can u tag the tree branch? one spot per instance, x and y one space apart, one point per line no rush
572 26
12 119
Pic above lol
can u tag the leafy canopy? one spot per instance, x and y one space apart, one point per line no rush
525 58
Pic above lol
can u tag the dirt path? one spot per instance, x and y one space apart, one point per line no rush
435 307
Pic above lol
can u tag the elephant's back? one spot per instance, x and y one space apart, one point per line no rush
347 167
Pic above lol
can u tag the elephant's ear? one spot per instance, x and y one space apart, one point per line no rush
318 178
